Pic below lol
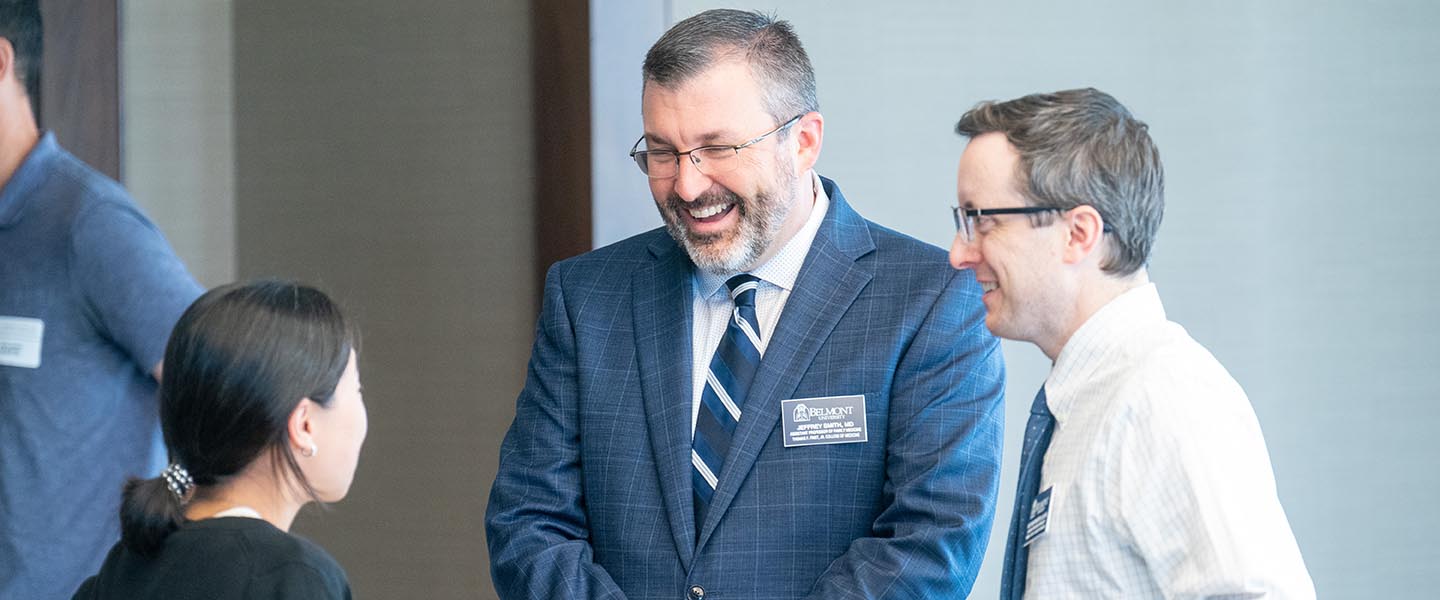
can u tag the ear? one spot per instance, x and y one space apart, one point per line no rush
7 61
1085 229
809 134
302 426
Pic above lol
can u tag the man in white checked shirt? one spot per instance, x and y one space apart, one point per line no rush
1144 472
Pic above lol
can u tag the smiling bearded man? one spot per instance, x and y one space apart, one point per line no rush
654 452
761 218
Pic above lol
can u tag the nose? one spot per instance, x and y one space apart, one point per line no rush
964 255
690 182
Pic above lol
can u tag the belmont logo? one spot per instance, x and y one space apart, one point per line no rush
804 413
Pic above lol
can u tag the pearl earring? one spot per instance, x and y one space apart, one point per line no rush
310 451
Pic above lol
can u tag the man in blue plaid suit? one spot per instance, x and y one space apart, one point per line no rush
659 448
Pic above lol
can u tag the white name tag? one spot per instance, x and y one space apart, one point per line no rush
1039 517
818 421
20 339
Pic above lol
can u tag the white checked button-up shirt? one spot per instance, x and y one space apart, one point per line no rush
1162 485
712 308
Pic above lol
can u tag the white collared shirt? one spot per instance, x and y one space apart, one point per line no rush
712 307
1162 485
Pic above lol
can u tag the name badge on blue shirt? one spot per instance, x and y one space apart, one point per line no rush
1039 516
819 421
20 339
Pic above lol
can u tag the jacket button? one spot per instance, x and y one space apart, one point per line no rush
697 592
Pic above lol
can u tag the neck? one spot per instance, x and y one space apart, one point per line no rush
268 495
18 136
1093 295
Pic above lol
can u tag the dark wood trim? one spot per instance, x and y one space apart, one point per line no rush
80 79
561 82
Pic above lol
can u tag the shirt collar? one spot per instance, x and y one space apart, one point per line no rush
28 176
1101 341
784 268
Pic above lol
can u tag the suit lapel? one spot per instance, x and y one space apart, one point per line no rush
662 301
828 284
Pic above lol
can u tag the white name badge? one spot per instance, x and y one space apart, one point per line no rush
20 339
1039 517
819 421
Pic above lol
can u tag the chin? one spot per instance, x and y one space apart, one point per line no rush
998 328
720 257
331 496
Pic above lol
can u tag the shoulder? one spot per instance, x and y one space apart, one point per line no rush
314 574
101 209
1175 393
67 177
898 255
897 260
612 262
910 273
76 197
272 545
283 565
893 245
110 570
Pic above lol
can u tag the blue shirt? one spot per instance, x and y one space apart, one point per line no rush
90 280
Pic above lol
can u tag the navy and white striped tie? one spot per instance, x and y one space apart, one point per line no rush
726 383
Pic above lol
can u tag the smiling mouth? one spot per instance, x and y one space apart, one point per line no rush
708 212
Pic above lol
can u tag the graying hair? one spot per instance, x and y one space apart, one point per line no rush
1082 147
770 47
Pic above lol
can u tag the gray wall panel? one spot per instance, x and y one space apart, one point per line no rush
176 68
383 151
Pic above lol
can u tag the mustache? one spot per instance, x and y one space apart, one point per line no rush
711 198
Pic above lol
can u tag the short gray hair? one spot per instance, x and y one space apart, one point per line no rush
770 47
1082 147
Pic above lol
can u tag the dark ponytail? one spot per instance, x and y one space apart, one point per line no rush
149 512
237 364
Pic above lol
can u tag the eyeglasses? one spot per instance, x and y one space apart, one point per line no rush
971 223
710 160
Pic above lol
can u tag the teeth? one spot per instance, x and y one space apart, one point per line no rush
988 285
710 211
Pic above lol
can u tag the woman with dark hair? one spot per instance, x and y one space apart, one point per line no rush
262 414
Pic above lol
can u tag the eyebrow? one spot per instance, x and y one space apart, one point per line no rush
709 138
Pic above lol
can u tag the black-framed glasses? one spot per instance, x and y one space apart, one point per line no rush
710 160
971 222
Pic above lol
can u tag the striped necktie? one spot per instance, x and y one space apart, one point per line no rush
726 382
1032 455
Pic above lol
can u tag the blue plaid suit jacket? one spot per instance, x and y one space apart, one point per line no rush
593 495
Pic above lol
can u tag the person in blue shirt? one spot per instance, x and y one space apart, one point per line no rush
89 290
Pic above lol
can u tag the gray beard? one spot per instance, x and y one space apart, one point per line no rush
761 219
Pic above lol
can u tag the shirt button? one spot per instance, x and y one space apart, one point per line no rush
697 592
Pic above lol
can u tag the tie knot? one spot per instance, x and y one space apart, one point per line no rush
742 289
1040 408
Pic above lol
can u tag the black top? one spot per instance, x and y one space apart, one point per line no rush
228 557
